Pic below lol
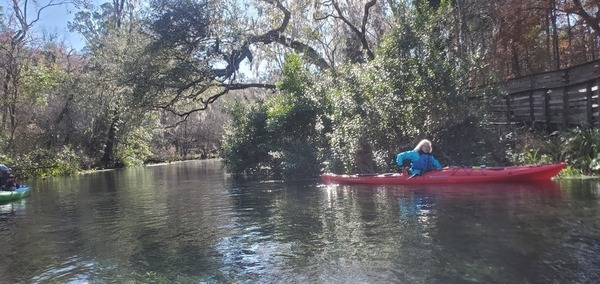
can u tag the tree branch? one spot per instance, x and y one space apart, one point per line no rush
20 11
368 6
273 36
593 22
362 33
206 102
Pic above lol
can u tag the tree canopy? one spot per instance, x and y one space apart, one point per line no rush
339 84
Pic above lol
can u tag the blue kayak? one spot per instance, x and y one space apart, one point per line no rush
11 195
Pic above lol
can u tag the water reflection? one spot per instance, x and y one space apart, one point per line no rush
459 233
191 223
583 188
12 208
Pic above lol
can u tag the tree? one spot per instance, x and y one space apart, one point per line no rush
200 46
414 89
278 135
110 106
26 75
587 10
529 36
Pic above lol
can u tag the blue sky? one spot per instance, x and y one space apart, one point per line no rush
53 20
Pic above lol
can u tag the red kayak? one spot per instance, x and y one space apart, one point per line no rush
454 175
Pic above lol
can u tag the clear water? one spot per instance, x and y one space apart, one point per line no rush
191 223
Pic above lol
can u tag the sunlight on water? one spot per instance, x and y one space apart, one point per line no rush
74 270
190 223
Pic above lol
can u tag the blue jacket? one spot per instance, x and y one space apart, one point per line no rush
419 162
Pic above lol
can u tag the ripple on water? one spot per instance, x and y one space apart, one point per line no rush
178 222
72 270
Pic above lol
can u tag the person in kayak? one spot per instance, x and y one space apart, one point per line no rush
420 159
7 180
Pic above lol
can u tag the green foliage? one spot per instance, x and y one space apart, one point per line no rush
353 120
569 172
134 150
531 157
277 137
419 70
581 148
45 163
529 147
358 119
114 122
177 22
295 79
39 78
413 90
246 141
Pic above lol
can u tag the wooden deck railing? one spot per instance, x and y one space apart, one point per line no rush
563 98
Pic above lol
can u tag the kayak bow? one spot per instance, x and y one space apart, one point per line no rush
20 192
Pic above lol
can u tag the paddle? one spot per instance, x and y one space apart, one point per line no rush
412 176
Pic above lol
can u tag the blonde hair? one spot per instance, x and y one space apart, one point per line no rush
423 143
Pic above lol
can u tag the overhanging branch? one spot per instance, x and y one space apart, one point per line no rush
275 35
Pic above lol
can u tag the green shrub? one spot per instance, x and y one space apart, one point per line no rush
135 149
246 142
45 163
278 137
581 148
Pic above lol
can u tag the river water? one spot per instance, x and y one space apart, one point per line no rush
191 223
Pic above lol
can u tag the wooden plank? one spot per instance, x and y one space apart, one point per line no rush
517 84
508 109
520 98
597 101
577 118
549 80
531 114
583 73
565 106
547 106
590 117
568 97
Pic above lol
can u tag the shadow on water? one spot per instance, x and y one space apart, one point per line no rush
190 223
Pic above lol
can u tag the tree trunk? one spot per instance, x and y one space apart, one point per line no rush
548 36
107 158
555 37
516 67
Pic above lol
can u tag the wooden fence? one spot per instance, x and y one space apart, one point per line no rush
557 99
